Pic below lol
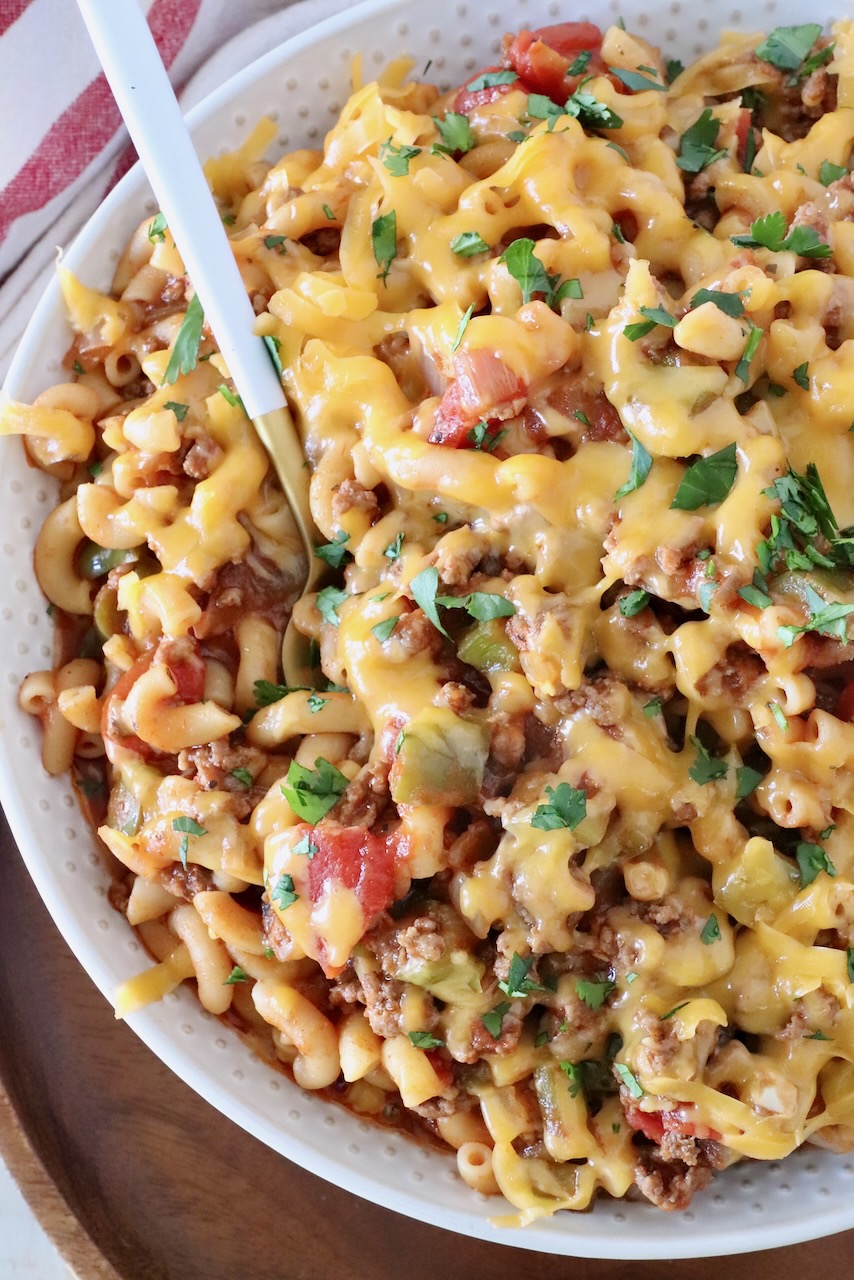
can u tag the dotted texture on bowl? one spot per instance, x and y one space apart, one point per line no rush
302 85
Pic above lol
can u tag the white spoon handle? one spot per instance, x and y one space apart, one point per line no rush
147 101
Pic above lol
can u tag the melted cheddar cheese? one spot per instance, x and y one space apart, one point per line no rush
567 810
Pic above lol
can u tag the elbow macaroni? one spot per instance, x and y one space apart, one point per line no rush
556 857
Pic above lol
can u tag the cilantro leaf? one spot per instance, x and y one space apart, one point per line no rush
185 351
493 1020
179 410
706 768
707 481
283 893
629 1079
639 470
231 397
826 619
306 848
569 289
594 994
272 343
423 589
518 984
316 703
633 603
697 146
237 975
157 228
637 82
266 692
747 780
384 243
812 859
786 47
468 243
394 548
382 630
189 826
673 69
729 303
653 708
481 437
328 602
464 324
581 63
455 131
528 271
311 793
275 242
742 369
801 376
490 79
486 605
770 233
243 776
590 112
396 159
572 1070
424 1040
328 213
711 931
567 807
829 172
334 553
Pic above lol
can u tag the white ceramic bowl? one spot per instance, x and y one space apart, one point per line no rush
303 84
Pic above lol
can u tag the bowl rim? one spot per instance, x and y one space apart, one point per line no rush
157 1028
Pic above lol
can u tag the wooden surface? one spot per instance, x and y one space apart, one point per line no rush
136 1178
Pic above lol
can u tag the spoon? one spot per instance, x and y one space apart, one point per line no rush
144 95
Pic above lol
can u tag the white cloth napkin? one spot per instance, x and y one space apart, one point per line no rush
63 145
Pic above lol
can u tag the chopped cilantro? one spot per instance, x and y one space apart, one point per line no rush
185 351
267 693
243 776
316 703
707 481
779 715
424 1040
672 1012
328 212
581 63
770 233
481 437
826 619
711 931
629 1079
275 242
528 271
311 793
464 323
455 131
468 243
594 994
179 410
633 603
566 807
742 369
423 588
673 69
394 548
829 172
729 303
747 780
494 1019
382 630
396 159
811 860
384 243
636 82
706 768
518 984
283 895
652 708
157 228
801 376
787 47
237 975
328 602
697 146
272 343
306 848
490 79
590 112
231 397
334 553
639 470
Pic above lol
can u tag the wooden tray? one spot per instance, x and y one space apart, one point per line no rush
136 1178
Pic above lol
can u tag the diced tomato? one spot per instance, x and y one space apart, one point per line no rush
543 57
575 396
187 668
468 99
484 388
356 859
742 131
654 1124
845 706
